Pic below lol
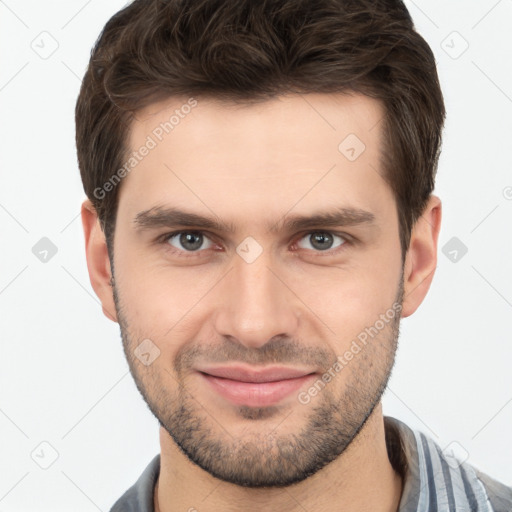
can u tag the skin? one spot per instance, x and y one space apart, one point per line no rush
295 304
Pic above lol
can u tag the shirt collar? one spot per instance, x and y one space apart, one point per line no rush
430 480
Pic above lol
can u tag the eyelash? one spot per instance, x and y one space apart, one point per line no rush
164 239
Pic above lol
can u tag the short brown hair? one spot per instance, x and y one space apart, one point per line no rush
246 50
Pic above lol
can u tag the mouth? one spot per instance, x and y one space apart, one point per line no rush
255 387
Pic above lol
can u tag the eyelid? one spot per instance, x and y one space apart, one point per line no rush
164 238
347 240
341 234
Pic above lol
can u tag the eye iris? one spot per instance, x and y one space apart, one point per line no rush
188 237
319 237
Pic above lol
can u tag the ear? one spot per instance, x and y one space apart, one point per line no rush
98 262
421 257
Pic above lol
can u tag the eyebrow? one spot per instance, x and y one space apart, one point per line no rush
169 217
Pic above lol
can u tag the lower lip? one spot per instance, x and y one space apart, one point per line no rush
255 394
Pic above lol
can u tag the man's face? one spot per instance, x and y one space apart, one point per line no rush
319 298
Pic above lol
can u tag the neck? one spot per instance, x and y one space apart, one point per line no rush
360 479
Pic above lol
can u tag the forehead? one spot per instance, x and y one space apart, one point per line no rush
291 117
313 149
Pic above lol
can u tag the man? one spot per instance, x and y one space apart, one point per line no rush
259 217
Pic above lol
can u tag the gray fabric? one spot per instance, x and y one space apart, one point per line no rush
500 495
431 481
139 497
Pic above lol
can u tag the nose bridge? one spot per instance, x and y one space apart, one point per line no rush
256 281
255 304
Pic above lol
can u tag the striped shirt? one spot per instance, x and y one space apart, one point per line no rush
433 481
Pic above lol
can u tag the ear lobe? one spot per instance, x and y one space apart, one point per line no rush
421 259
98 262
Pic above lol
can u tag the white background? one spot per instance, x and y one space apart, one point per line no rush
64 378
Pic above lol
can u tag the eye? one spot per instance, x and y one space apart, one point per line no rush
195 243
187 241
322 241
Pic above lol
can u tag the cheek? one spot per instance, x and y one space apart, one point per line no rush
161 302
349 301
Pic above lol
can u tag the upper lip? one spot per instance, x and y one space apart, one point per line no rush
246 374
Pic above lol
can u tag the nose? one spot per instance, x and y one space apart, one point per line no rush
256 303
